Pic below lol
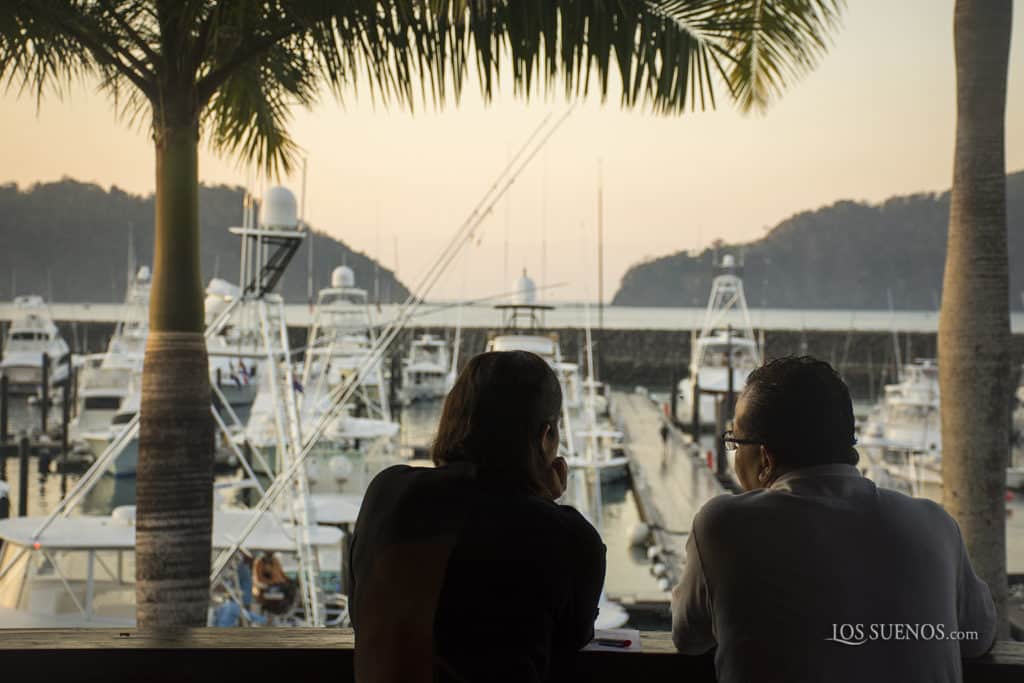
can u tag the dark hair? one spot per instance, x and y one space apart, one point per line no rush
495 414
801 409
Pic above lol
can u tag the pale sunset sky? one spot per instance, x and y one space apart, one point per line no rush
875 119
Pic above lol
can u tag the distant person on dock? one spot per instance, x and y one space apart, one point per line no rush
815 574
664 432
470 571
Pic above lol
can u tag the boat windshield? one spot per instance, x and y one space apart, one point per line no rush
427 354
29 336
122 418
715 355
102 402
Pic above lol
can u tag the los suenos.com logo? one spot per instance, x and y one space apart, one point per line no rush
858 634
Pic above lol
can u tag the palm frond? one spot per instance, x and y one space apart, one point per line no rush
238 66
759 46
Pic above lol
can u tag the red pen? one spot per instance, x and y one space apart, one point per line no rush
611 642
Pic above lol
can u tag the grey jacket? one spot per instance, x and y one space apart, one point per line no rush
825 577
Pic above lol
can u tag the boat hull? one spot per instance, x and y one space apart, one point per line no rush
127 462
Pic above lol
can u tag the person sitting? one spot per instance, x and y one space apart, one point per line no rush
470 571
273 589
814 573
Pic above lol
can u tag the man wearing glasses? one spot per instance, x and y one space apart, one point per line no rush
814 573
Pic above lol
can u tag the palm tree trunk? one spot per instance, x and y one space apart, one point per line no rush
174 481
975 370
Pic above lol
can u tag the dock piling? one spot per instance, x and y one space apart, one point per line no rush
3 410
65 417
721 465
23 449
44 406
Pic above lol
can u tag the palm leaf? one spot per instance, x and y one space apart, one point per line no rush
241 65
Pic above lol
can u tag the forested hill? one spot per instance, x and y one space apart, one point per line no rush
847 255
69 241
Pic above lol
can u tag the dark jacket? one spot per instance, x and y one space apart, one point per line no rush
456 578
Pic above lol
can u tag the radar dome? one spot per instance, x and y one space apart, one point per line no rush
143 275
279 209
728 261
526 290
223 288
342 276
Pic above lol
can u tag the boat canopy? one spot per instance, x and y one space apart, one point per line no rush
90 532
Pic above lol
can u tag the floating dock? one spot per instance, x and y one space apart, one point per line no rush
671 481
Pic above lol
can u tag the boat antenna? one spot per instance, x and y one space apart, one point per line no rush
508 222
131 252
394 273
600 245
895 337
309 236
544 221
376 257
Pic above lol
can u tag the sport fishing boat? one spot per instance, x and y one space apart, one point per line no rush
232 369
588 451
80 570
425 371
31 336
723 353
902 436
363 439
107 378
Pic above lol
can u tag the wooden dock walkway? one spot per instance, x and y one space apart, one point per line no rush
670 483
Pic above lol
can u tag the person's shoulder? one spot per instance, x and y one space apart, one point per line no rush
390 474
727 504
565 520
901 505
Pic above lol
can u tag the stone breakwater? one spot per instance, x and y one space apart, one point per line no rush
658 358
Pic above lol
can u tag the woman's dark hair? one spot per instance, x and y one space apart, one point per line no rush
801 409
495 414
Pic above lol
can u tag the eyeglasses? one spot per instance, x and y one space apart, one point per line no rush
732 443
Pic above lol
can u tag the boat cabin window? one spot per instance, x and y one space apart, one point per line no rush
29 336
429 354
102 402
122 418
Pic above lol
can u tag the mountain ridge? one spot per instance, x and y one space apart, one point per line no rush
847 255
68 241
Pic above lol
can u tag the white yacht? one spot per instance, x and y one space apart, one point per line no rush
127 461
32 335
107 378
425 370
341 336
232 373
587 450
720 349
80 571
902 437
522 330
363 439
